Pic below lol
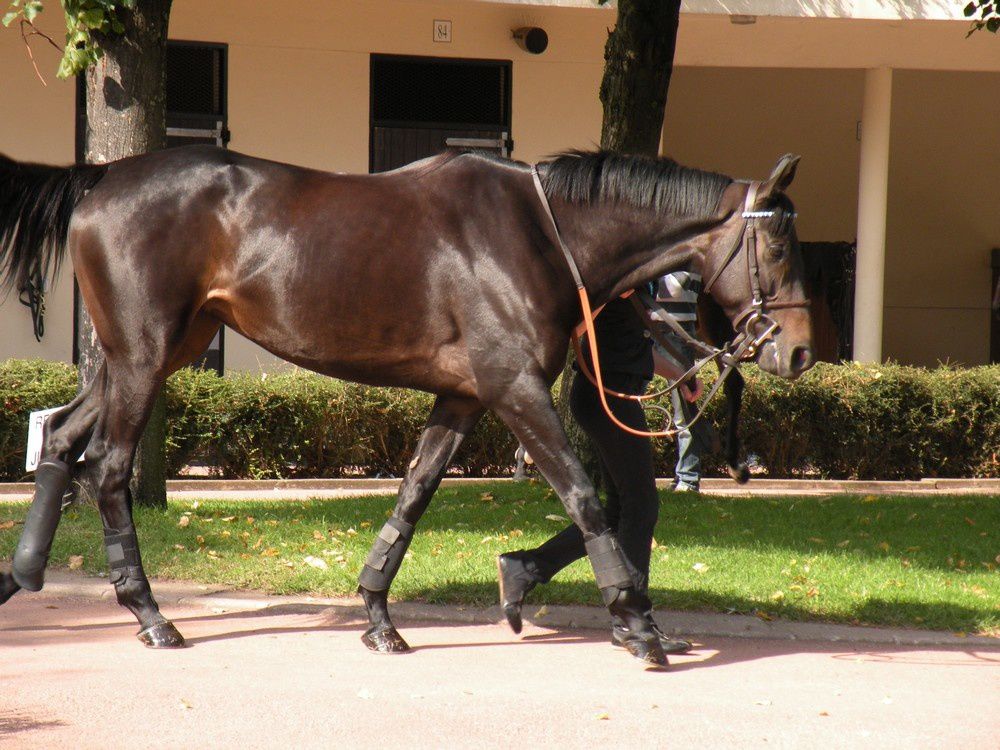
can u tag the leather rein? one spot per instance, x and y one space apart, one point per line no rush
743 346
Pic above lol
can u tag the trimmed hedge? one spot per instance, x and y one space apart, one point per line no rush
837 421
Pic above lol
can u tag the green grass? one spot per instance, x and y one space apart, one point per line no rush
924 561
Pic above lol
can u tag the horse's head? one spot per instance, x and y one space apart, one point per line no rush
756 274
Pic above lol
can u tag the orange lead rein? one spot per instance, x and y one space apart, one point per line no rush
588 325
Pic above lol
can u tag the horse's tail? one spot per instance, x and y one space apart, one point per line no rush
36 204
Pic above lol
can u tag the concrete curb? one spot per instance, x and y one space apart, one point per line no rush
67 585
303 489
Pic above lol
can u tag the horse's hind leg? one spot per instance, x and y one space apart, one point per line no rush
527 409
449 422
66 436
131 391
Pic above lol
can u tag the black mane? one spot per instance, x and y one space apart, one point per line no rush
660 184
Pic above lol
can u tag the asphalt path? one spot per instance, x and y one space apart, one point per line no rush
293 675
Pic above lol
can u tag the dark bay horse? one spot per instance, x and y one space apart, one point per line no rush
443 276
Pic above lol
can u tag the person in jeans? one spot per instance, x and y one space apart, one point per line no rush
678 294
626 465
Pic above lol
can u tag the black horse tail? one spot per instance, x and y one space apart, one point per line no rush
36 204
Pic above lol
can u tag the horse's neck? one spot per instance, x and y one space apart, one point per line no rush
617 248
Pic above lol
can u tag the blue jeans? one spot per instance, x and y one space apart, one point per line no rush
689 446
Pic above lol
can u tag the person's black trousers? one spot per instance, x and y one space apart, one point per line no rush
627 469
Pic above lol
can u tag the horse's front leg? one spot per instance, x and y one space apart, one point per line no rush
450 421
528 410
733 388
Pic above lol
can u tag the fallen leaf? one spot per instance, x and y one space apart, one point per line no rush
764 702
185 706
316 562
75 562
824 713
699 567
970 521
319 536
844 543
554 517
179 547
884 546
6 525
184 522
602 717
228 518
777 596
542 611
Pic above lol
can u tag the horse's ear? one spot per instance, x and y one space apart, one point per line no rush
781 177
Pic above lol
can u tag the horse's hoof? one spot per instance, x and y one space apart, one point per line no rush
385 641
740 473
648 650
8 587
161 635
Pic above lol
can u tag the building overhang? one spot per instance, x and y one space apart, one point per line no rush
885 10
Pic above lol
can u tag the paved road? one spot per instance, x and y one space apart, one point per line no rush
292 675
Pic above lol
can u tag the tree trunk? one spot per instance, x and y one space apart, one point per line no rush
638 62
126 116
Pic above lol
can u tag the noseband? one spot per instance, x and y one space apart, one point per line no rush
756 313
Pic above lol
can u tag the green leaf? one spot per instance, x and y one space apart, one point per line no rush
31 10
93 18
992 25
970 9
9 18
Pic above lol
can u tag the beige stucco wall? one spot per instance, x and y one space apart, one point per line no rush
37 123
299 90
739 122
944 173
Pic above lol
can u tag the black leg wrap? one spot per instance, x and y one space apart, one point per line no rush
611 570
124 562
32 553
386 555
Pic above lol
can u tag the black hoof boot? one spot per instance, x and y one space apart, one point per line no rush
740 473
161 635
641 640
385 640
620 634
515 581
646 649
8 587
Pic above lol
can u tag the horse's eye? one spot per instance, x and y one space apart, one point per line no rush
775 253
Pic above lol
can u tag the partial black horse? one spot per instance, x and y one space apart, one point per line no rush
443 276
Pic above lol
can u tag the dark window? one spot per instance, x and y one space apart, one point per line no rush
422 105
195 79
434 91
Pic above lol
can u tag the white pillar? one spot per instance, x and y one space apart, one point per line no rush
873 189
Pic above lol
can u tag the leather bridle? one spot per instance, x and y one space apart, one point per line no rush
743 346
756 313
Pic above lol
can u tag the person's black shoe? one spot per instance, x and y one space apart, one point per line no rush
620 634
515 581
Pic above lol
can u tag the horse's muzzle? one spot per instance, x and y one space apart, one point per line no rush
787 363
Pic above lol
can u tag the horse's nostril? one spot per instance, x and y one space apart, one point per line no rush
802 358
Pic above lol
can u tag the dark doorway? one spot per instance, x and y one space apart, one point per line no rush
829 271
422 105
995 308
196 113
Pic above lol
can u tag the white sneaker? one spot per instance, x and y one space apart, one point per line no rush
683 487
